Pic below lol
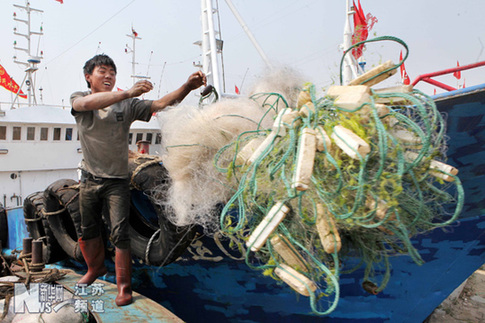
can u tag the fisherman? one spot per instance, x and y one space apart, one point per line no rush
103 119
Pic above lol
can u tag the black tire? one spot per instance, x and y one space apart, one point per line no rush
39 229
61 203
147 217
3 227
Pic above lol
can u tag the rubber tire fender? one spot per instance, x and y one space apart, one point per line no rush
147 173
39 228
61 200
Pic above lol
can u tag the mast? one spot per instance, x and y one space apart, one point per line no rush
32 60
211 47
350 65
134 37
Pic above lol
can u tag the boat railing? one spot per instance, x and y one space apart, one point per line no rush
428 77
4 105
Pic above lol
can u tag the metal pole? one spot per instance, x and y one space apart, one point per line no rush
133 69
248 33
213 47
350 70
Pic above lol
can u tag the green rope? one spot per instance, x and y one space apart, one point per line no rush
377 39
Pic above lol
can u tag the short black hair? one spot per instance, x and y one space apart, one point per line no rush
98 60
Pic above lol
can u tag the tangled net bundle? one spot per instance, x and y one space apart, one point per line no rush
366 206
310 184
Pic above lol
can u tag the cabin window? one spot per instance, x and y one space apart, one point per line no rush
17 133
158 139
139 136
130 138
30 133
3 132
149 138
44 134
68 134
57 133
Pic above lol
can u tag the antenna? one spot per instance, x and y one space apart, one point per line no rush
32 60
149 61
161 75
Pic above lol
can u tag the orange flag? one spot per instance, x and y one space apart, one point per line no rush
7 82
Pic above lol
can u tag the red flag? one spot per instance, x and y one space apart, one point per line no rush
237 89
404 75
362 25
7 82
60 1
134 32
457 74
360 30
371 20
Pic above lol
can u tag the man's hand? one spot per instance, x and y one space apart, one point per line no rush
196 80
140 88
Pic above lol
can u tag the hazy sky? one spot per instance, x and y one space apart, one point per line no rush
304 35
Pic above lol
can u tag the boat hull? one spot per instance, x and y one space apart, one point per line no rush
229 291
207 285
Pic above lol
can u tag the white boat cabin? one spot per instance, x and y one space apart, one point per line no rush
40 144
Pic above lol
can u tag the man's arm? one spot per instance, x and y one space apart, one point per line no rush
100 100
194 81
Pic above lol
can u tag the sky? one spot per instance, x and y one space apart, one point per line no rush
304 35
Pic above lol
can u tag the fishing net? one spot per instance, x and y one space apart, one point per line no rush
370 206
192 137
308 184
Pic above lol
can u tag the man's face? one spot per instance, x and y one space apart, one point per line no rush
102 79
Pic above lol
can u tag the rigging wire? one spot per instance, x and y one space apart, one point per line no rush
92 32
222 52
38 43
244 78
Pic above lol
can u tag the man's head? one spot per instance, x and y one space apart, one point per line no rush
100 73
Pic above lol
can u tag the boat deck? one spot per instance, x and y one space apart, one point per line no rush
142 309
